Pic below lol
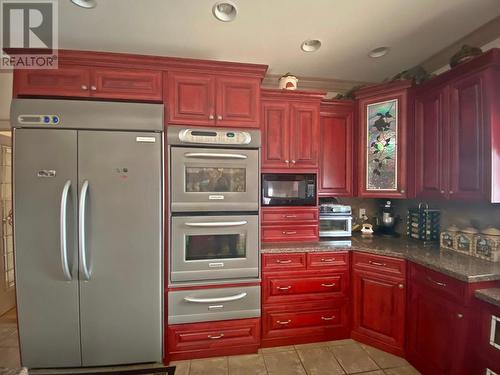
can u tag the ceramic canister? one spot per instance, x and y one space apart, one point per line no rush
464 240
487 245
448 236
288 82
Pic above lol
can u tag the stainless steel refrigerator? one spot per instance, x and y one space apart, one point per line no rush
88 231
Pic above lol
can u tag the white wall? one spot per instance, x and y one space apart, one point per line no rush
5 99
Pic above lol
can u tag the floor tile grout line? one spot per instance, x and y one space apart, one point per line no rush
300 360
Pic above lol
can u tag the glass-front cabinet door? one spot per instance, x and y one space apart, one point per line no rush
382 153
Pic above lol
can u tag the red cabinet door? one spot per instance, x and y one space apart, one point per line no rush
73 82
191 98
335 156
275 135
467 142
432 143
126 84
379 310
304 135
238 101
435 333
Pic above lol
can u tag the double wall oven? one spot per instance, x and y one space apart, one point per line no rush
214 223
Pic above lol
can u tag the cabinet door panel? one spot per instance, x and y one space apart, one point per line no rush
304 135
466 130
431 142
379 308
275 134
238 102
335 164
126 84
53 82
191 98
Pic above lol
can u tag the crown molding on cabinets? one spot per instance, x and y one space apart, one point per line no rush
479 37
316 83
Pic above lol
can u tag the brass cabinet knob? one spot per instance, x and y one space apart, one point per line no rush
93 88
219 117
211 117
84 87
401 286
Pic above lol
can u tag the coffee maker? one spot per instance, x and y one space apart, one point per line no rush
387 221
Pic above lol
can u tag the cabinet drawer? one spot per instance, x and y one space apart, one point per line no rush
441 284
288 320
290 233
325 259
379 264
201 305
299 289
287 216
284 262
213 335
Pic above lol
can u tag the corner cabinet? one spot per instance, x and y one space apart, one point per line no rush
336 148
290 130
385 119
205 99
457 141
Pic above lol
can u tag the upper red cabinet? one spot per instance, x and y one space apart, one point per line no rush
384 122
81 81
457 137
290 130
336 151
205 99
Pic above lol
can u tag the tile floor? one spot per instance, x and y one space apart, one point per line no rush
325 358
328 358
9 343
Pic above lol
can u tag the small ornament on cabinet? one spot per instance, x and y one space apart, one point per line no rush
288 82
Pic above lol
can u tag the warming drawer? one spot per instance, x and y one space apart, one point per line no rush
203 305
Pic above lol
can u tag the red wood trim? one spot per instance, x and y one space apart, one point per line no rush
336 105
300 95
386 88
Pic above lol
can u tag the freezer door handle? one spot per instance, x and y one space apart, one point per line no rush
81 231
63 231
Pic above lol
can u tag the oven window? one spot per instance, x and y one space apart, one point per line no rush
215 246
333 225
212 179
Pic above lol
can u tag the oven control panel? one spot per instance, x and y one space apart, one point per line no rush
215 137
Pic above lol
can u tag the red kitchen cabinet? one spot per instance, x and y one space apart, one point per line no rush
290 130
90 82
385 120
379 305
436 332
74 82
432 143
204 99
335 175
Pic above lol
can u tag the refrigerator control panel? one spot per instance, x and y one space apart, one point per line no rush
39 119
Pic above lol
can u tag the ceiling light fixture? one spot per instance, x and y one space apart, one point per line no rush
310 45
225 11
378 52
87 4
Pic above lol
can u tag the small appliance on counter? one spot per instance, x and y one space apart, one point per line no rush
387 221
423 223
335 220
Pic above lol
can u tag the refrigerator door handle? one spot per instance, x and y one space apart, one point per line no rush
81 231
63 231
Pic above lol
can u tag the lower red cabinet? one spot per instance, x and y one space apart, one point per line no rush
379 303
198 340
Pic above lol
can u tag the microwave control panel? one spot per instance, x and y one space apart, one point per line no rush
215 137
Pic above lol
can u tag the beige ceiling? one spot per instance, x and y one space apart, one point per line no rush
270 31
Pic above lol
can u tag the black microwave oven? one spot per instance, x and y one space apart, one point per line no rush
288 189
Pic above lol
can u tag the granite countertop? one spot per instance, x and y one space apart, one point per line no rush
451 263
491 295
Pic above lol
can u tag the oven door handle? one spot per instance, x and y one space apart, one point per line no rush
212 155
218 224
217 299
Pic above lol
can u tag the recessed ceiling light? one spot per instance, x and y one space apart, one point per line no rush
310 45
87 4
379 52
225 11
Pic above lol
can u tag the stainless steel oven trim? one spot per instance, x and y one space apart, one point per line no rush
494 321
327 233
